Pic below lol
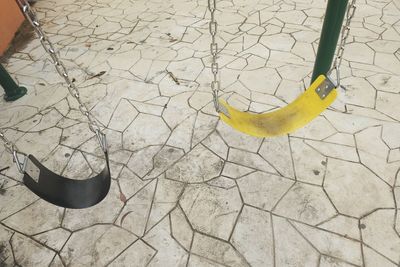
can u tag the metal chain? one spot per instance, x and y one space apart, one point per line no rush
30 15
8 145
351 9
215 84
60 67
11 148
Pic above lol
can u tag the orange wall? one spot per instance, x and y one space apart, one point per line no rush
10 20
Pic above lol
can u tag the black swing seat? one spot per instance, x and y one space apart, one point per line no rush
66 192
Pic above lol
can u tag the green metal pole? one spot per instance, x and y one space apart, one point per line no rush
13 91
334 15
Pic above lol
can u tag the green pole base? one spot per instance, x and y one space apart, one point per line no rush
20 93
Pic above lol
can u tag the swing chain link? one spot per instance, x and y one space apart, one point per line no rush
351 9
59 65
213 25
48 46
11 148
8 145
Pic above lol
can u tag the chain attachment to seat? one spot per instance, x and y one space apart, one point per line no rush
11 148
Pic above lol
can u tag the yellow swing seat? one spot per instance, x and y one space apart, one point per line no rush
318 97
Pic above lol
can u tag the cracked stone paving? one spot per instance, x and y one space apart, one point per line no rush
187 190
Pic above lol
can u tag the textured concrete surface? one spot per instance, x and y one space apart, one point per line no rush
188 190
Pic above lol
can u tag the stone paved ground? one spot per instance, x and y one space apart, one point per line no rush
187 190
